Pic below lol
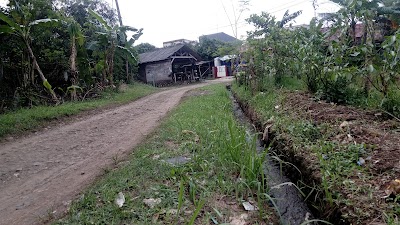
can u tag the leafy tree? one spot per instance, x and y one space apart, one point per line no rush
58 54
131 55
208 49
76 36
334 65
110 37
277 49
19 26
79 10
144 47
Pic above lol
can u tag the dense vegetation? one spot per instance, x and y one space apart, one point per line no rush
61 50
353 58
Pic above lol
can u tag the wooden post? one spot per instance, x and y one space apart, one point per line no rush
199 71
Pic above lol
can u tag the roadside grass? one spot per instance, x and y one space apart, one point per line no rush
197 168
343 184
27 119
293 83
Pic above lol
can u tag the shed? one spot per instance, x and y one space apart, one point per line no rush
168 64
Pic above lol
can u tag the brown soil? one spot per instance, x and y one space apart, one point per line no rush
345 125
40 174
363 126
350 125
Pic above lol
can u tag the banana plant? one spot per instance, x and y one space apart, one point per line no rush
76 37
111 37
129 56
22 30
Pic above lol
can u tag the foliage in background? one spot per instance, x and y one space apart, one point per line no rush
208 49
78 53
144 47
353 59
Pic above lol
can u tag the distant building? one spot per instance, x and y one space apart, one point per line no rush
178 42
168 64
220 37
379 31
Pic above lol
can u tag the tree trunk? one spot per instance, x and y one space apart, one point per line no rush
128 79
353 28
26 70
1 69
72 59
111 64
42 77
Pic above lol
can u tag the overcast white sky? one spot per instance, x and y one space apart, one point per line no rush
165 20
175 19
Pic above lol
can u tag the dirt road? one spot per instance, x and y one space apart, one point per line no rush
42 173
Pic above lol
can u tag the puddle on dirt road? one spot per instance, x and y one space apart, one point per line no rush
293 210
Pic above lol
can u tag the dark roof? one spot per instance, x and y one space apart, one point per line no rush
220 37
359 33
164 53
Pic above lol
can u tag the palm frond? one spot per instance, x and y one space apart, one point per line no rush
9 21
289 17
46 22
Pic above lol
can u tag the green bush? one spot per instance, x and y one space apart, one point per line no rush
392 102
336 90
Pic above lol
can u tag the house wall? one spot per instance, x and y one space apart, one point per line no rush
158 72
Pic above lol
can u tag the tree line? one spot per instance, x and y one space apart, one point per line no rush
351 56
58 50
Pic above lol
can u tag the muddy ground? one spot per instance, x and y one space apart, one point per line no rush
42 172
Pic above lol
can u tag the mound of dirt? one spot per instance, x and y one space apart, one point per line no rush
362 126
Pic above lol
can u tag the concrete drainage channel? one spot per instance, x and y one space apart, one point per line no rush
291 207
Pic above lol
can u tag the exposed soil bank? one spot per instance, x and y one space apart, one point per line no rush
289 205
289 201
355 150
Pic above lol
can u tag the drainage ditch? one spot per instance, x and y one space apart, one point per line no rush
289 204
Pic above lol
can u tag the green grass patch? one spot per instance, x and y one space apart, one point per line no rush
28 119
293 83
342 181
223 168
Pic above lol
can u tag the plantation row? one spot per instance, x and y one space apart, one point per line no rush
351 56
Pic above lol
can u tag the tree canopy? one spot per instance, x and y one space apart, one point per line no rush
64 49
144 47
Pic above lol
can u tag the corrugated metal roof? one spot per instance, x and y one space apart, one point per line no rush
159 54
220 37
